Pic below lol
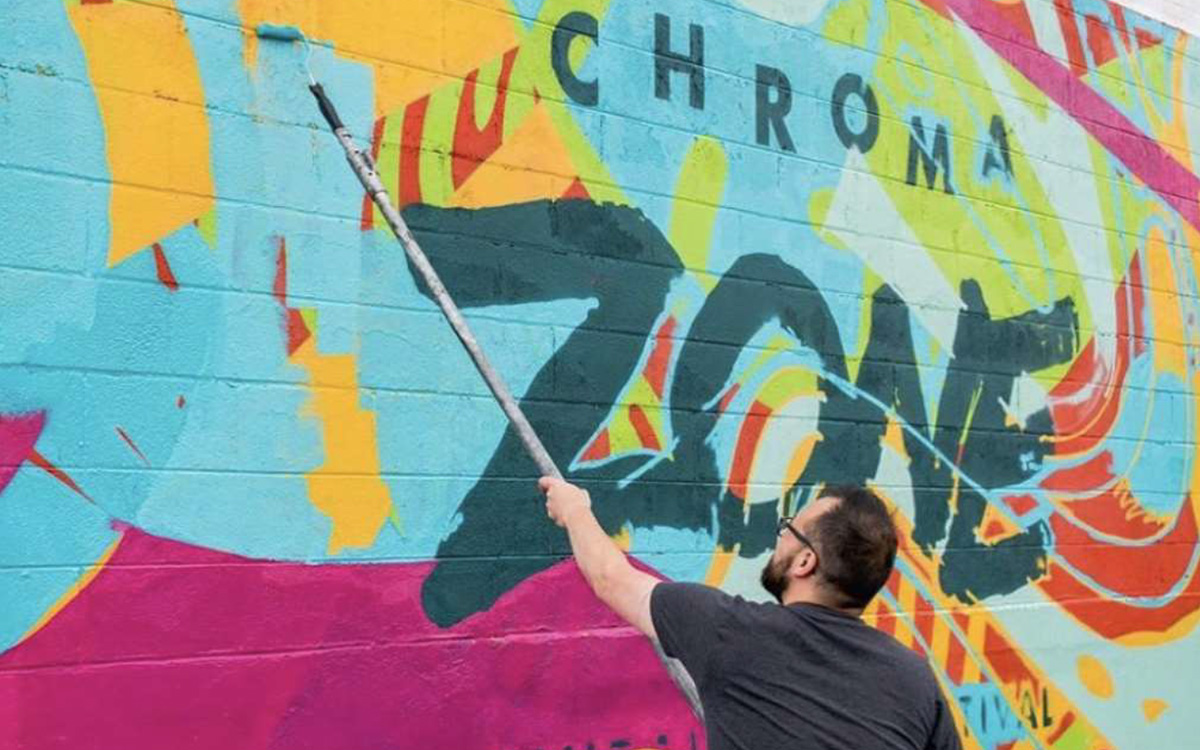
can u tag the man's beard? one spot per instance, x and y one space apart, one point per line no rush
774 577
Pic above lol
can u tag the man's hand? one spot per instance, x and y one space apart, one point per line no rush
563 499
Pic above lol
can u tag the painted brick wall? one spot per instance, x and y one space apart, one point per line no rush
253 494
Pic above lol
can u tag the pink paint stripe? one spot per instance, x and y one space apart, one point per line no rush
18 434
1140 154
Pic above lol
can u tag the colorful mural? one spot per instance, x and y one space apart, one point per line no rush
253 494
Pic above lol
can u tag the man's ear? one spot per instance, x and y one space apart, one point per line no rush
803 564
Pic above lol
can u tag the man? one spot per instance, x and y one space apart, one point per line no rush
808 674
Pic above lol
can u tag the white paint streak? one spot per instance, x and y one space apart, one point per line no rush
899 259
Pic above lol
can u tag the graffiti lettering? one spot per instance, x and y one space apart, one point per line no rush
863 140
574 24
769 114
999 136
667 62
929 158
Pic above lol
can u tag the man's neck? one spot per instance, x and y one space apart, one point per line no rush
816 598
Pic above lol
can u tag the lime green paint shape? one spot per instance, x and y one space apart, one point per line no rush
437 144
206 225
698 193
1077 737
819 204
848 23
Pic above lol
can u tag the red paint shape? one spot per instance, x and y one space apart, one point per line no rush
180 402
163 269
994 530
964 622
40 461
1145 39
599 449
1137 304
1021 504
1017 16
893 584
293 656
645 431
1094 472
727 398
1115 512
576 191
1005 659
368 206
939 7
1113 618
279 286
1070 32
747 444
129 441
1118 15
886 619
924 616
956 659
1141 154
474 145
660 357
18 434
1085 405
1100 42
1061 728
411 134
1141 569
295 329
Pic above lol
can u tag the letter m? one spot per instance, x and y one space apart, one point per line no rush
918 149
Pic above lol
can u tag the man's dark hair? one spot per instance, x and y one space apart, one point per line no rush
856 544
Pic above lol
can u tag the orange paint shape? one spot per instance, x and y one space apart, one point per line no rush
147 83
531 163
347 487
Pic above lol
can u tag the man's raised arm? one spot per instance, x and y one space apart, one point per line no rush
616 582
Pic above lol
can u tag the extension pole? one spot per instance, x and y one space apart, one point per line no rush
364 169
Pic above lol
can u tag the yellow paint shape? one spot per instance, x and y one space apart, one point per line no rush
147 84
347 487
1094 676
1167 314
718 568
623 538
799 460
893 439
532 163
976 630
1152 708
698 194
72 592
410 49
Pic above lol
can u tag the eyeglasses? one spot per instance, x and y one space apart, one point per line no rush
785 522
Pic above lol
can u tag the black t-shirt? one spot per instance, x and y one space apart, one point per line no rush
801 677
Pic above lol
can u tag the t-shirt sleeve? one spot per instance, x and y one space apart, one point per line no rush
945 733
688 620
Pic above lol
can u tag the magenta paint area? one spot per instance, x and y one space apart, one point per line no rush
176 646
18 435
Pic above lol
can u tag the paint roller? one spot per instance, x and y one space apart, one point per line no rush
364 168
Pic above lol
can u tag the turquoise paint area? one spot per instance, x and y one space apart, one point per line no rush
52 224
990 715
